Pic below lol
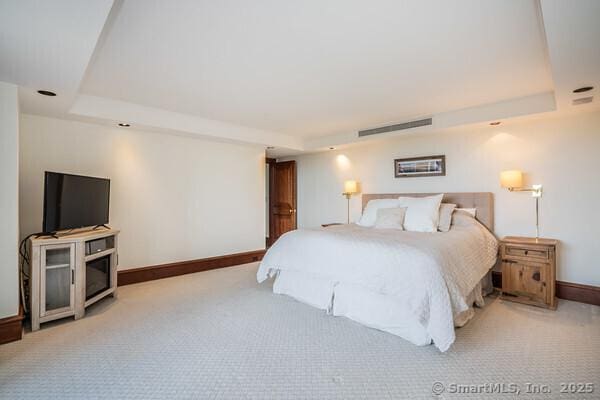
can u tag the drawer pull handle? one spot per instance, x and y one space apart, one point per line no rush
536 276
526 252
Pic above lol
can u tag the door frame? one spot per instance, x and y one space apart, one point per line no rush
271 163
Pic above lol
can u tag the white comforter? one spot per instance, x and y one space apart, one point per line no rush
432 272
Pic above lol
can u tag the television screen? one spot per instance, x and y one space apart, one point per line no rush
74 201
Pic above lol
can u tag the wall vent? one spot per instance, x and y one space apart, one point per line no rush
396 127
583 100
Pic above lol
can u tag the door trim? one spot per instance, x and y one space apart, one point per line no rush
271 163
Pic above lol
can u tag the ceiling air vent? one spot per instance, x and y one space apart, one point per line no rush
583 100
396 127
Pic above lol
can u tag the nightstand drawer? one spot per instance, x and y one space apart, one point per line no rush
527 252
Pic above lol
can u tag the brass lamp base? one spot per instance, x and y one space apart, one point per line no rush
348 195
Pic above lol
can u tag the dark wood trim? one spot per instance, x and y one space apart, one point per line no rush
136 275
11 328
578 292
497 279
271 200
565 290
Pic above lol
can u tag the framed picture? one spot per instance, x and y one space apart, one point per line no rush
420 166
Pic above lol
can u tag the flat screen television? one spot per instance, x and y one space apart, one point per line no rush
74 201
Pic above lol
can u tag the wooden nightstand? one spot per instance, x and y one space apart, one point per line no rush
529 270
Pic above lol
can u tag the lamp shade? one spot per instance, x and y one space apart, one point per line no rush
350 187
511 179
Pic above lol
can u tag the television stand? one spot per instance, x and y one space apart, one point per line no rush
71 272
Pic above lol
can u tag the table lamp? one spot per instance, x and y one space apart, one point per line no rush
350 188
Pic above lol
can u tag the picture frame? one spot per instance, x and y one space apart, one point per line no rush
420 166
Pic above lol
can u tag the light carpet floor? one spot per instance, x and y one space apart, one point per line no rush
220 335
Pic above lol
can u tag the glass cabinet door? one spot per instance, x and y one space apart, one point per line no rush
57 279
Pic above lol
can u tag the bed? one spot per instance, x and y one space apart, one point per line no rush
418 286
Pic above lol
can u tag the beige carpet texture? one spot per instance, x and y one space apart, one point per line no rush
220 335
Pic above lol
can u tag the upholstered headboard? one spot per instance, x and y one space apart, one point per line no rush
482 201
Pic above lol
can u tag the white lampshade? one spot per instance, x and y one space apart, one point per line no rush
511 179
350 187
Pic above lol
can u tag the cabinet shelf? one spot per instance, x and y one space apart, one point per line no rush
57 266
99 254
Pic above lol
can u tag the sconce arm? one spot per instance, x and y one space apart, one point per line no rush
536 190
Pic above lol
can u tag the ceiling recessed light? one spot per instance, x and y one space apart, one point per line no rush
495 123
46 93
332 148
124 125
583 89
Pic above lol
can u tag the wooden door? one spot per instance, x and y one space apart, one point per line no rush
282 196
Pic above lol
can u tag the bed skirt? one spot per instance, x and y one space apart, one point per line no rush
375 310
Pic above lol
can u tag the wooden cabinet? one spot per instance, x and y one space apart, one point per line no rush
70 272
529 270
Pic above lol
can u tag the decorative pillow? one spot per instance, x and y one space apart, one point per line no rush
390 218
461 217
370 213
472 211
446 211
422 214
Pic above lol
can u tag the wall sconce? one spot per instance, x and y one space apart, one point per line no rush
350 188
513 181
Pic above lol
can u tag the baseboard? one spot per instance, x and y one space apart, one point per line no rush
577 292
136 275
11 328
565 290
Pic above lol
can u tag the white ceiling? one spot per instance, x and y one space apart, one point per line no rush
573 32
48 45
310 68
298 75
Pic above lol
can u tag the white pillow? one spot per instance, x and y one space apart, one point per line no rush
462 218
370 213
472 211
446 211
422 213
390 218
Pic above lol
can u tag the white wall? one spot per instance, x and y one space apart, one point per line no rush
174 198
562 153
9 200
